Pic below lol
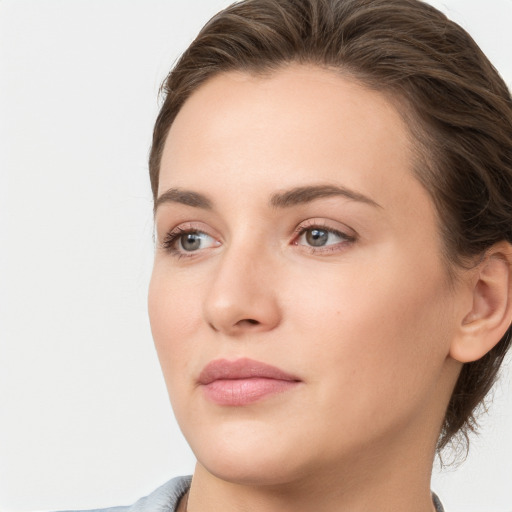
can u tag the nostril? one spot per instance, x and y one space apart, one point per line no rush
251 321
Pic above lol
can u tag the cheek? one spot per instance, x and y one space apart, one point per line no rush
380 333
174 314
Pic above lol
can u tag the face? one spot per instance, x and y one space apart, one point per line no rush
299 301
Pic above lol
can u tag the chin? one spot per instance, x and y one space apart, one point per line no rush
256 457
239 470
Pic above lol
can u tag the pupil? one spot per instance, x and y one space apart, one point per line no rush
317 237
190 241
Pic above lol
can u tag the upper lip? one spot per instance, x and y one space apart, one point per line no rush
223 369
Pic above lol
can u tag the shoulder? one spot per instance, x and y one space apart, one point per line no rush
163 499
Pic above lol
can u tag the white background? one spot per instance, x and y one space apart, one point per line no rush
84 415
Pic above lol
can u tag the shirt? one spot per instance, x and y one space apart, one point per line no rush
167 497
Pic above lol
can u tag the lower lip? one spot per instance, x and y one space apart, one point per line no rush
245 391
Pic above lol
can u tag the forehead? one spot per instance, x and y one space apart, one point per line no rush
296 125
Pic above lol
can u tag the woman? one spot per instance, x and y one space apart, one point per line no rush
331 296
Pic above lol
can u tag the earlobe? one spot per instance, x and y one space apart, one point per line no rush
491 311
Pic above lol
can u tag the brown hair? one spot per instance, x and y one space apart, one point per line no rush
457 107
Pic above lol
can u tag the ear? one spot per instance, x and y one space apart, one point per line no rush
483 326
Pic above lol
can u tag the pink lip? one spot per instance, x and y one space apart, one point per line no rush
243 381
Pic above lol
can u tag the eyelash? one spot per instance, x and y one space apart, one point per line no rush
172 239
320 226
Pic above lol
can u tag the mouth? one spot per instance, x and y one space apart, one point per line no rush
243 381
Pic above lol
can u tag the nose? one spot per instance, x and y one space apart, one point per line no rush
242 297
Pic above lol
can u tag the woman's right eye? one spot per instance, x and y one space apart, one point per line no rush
185 242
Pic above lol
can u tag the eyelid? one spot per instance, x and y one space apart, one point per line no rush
327 225
347 235
171 238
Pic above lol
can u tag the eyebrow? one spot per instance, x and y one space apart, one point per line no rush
301 195
186 197
286 199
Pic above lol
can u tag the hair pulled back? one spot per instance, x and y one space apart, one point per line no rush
457 107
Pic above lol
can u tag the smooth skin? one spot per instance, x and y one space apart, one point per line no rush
307 243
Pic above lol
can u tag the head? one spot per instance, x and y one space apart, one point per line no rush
450 103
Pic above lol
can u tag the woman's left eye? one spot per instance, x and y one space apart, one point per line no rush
318 237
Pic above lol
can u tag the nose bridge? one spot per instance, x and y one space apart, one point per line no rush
241 296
